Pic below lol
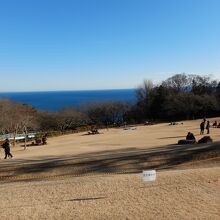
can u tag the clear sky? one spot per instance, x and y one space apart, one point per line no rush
104 44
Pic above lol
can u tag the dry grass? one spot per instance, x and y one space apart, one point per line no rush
187 186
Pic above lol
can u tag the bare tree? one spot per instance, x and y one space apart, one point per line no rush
15 118
70 119
178 82
143 90
28 115
107 113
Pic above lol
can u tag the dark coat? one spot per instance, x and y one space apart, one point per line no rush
6 146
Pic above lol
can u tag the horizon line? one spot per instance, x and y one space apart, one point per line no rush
67 90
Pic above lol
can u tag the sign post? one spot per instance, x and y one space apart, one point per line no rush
149 175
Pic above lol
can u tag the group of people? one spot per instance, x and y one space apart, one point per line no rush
204 125
40 140
6 147
216 124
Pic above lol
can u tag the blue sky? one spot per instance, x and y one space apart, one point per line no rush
104 44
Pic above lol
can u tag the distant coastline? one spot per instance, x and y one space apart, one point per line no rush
57 100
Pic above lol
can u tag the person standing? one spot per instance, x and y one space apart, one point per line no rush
208 127
6 147
44 139
202 127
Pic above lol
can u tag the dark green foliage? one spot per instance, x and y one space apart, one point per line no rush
217 94
178 98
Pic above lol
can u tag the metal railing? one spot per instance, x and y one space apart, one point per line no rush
18 136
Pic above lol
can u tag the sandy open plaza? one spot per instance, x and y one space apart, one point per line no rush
80 176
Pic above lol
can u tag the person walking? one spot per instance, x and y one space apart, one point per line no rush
6 147
208 127
202 127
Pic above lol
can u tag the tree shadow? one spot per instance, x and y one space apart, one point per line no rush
85 199
91 134
129 160
171 137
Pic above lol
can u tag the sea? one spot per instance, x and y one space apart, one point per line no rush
53 101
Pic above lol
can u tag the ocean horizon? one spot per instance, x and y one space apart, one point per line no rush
56 100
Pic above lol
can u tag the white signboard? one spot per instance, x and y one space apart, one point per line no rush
149 175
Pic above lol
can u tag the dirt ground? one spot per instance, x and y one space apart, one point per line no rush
143 137
187 185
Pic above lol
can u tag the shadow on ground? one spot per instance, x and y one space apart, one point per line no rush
85 199
130 160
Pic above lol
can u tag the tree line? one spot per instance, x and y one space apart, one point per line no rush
179 97
17 118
